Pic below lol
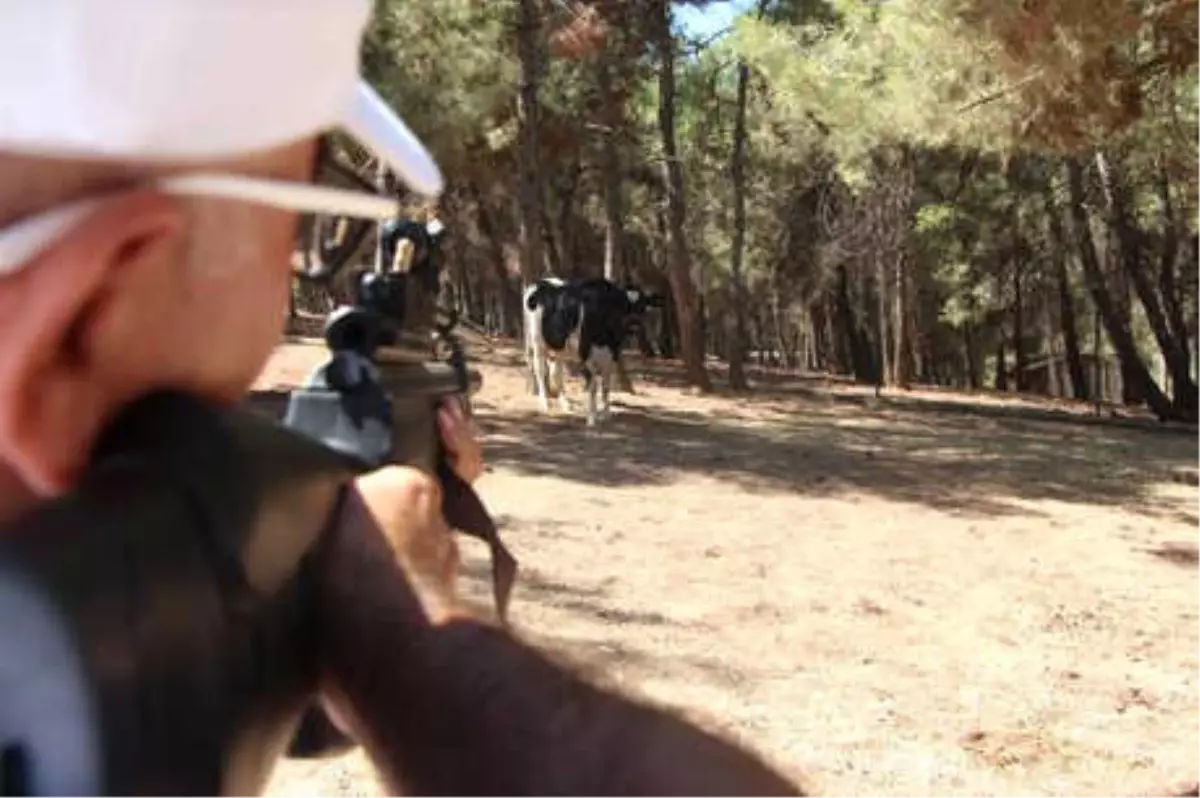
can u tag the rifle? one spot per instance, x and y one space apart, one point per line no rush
157 623
377 386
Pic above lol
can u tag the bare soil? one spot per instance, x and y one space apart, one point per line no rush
915 594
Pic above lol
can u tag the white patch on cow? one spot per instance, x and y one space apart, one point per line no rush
535 349
633 296
547 366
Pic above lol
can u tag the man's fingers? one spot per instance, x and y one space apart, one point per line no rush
462 445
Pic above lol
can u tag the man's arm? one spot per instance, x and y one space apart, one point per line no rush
463 708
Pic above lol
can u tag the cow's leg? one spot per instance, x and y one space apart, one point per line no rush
539 378
531 322
560 386
603 365
605 385
589 377
531 384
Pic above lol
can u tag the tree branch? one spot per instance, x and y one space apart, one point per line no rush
999 93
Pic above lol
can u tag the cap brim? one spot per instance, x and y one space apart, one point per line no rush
376 126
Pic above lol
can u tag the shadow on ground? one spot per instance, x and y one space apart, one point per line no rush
804 436
772 384
596 603
601 604
1181 553
821 447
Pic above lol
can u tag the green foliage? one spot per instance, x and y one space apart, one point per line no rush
876 132
971 72
935 218
447 66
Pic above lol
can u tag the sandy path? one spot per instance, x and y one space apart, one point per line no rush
891 598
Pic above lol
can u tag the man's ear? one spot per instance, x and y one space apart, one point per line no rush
60 378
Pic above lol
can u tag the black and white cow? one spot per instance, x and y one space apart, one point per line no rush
594 315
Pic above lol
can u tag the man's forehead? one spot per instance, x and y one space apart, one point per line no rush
31 183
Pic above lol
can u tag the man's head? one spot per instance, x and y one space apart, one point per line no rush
153 158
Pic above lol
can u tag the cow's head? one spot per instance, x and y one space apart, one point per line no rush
639 301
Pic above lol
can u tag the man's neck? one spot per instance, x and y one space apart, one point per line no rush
15 495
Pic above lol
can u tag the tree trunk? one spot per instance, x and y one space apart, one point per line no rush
821 342
614 232
1053 386
530 186
1129 241
566 211
885 369
669 330
737 171
1118 283
553 252
855 345
679 273
1016 265
1001 383
1066 303
458 253
1116 194
610 167
1114 324
1099 367
1167 282
779 344
1020 375
972 360
1195 300
504 307
902 357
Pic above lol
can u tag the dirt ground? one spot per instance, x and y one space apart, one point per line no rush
914 594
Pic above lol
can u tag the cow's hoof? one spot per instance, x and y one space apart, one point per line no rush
544 406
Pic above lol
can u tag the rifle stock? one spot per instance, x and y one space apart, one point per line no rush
158 619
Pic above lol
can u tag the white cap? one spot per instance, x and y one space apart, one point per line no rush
191 80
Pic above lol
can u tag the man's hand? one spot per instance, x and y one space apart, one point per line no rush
460 436
405 505
396 513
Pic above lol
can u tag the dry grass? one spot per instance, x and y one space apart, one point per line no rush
914 595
